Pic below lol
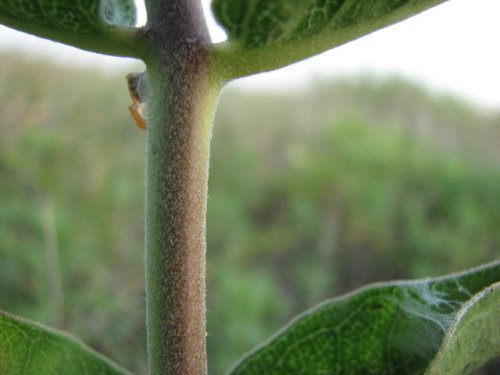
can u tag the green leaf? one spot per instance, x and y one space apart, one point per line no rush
387 328
269 34
27 348
474 337
97 25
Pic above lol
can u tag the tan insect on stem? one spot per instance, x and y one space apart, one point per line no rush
138 92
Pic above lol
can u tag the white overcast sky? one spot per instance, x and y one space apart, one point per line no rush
453 48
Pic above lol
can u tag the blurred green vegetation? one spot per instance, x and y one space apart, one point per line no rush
312 193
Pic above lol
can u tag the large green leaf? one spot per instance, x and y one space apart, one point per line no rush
474 338
391 328
100 25
269 34
27 348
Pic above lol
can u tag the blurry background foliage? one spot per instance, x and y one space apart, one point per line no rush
312 193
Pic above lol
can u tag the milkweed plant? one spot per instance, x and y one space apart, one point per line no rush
445 325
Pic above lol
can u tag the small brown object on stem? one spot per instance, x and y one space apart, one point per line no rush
138 107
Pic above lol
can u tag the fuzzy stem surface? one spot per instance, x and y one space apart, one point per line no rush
181 103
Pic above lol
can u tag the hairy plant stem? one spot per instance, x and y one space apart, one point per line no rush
181 103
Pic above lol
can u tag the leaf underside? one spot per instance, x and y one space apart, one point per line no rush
474 338
88 24
75 16
290 30
27 348
393 328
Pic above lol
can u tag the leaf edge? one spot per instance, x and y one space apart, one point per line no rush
66 336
